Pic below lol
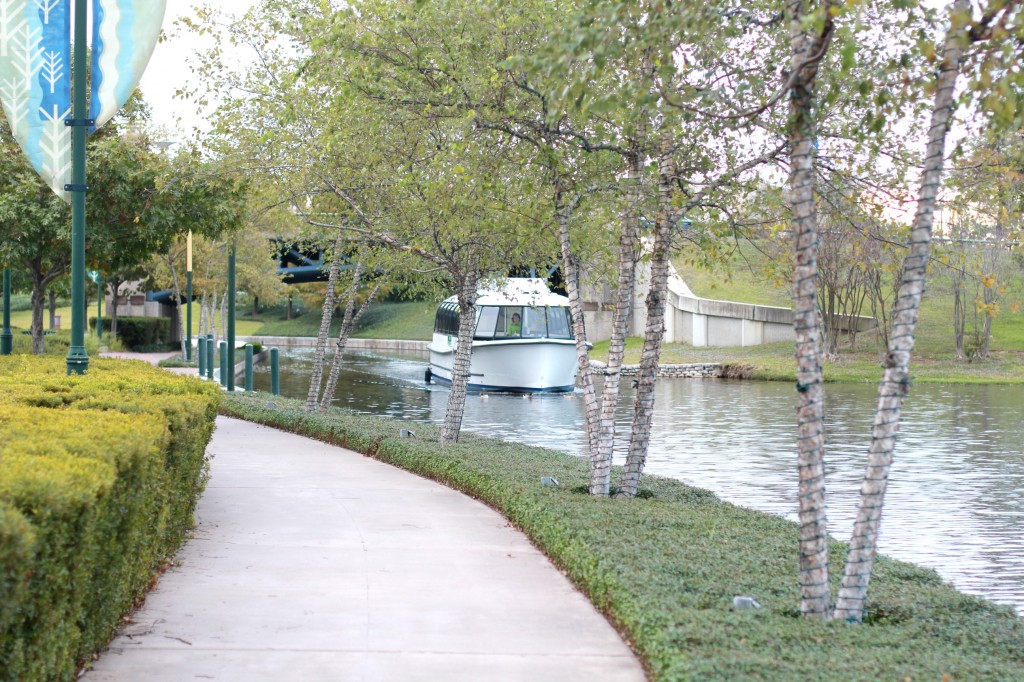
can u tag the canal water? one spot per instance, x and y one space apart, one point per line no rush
956 494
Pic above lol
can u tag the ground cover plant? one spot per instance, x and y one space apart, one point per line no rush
666 566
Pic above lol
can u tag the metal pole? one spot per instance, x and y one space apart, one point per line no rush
248 366
275 372
231 318
6 336
78 358
225 370
99 306
188 299
202 355
209 356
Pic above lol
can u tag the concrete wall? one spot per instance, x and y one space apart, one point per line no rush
138 306
697 321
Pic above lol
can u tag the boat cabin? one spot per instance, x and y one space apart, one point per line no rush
507 322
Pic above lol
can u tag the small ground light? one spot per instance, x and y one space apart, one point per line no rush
548 481
742 603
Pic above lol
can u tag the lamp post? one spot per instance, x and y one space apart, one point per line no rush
188 299
6 337
78 358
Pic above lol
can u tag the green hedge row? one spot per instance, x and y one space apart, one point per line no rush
665 567
99 478
139 333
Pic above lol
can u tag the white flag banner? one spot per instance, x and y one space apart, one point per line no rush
35 83
35 71
123 37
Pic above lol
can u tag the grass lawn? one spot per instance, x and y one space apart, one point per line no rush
412 320
742 280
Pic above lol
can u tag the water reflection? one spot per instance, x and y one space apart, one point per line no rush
956 494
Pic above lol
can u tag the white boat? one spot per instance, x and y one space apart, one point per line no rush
523 340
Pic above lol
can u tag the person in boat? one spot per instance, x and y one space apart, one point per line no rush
514 327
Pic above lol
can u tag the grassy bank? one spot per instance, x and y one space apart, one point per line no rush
666 567
775 362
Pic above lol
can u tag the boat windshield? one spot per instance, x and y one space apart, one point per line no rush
541 322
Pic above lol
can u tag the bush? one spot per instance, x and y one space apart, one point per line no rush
665 568
99 478
140 334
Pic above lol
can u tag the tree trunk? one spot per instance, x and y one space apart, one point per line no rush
53 309
115 287
202 314
654 334
895 379
815 594
959 316
601 471
177 302
224 316
38 309
585 374
255 305
348 325
313 395
467 295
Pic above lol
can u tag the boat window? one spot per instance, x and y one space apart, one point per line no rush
486 322
558 323
447 319
535 323
510 321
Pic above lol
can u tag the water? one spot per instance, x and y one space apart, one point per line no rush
956 494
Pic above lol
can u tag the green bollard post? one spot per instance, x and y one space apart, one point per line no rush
248 366
223 348
232 295
209 356
202 355
275 372
7 336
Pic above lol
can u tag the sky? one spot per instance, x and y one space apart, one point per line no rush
168 68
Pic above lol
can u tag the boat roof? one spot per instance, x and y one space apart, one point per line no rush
528 291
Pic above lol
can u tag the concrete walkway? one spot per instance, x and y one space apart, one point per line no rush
313 563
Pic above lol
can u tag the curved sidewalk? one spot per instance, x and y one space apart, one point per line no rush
312 563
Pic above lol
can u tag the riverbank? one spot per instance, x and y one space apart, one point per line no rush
775 362
665 568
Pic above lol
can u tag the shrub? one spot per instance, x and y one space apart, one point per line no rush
99 478
141 334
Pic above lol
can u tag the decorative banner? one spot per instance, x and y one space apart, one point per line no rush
35 71
35 83
124 34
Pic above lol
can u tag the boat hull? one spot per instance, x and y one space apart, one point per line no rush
523 366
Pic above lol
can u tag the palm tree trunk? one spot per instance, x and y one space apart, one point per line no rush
895 379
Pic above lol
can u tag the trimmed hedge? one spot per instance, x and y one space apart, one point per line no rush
140 334
665 567
99 478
